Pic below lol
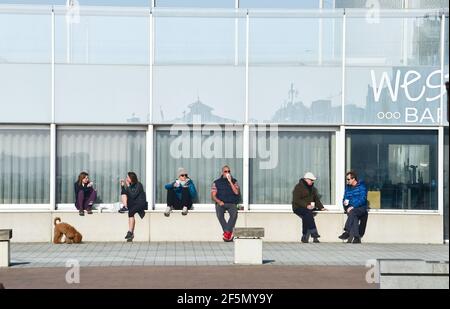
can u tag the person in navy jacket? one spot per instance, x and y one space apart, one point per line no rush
355 205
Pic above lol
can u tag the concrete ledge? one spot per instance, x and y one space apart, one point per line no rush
204 226
5 235
5 253
248 232
413 274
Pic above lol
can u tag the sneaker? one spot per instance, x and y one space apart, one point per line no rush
349 240
123 210
89 212
168 210
185 211
316 240
227 236
356 240
344 236
305 239
81 212
231 237
130 235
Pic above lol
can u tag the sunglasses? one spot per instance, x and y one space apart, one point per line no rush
226 171
184 175
348 179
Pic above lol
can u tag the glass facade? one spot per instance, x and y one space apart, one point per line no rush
206 82
25 66
202 152
399 167
120 77
287 157
102 68
24 166
107 155
396 78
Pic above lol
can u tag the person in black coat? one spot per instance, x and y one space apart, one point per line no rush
134 201
85 195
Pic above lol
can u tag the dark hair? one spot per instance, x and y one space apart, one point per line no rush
352 174
133 177
81 177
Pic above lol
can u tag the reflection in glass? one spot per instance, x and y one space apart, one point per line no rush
390 95
106 155
205 94
202 152
24 166
296 94
102 93
399 167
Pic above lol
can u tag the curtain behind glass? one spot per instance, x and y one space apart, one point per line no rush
24 166
106 155
203 171
298 153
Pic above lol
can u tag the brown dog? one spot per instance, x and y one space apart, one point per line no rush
72 235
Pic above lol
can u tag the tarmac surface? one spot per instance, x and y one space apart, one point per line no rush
203 265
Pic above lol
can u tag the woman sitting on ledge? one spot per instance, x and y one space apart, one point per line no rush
85 195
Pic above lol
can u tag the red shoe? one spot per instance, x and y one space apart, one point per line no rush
228 236
225 236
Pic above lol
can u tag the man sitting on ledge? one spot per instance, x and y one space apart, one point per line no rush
355 205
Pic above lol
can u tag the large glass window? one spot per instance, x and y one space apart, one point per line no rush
24 166
394 79
102 65
25 65
199 71
203 152
196 3
299 56
398 166
365 4
280 4
107 155
279 160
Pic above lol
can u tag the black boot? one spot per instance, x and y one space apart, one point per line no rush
356 240
344 236
305 239
314 233
316 240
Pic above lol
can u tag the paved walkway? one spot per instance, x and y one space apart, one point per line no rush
25 255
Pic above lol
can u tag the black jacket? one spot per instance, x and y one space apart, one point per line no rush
136 196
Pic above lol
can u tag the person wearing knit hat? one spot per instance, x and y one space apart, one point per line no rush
180 193
305 199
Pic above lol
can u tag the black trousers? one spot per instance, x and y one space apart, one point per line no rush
362 222
173 201
356 222
307 217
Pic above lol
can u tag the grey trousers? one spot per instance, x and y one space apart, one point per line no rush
232 211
